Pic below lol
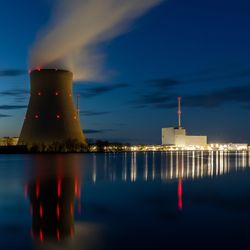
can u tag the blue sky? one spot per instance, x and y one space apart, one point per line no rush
196 49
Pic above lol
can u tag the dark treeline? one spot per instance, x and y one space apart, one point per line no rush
101 145
69 146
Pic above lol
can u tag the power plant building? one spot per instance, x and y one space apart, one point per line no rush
51 116
178 136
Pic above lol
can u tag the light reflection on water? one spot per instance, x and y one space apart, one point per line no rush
173 165
95 201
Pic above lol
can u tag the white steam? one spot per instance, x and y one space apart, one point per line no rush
77 28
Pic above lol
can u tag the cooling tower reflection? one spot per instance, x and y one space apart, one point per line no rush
53 188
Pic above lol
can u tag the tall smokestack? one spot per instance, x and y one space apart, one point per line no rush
51 116
179 112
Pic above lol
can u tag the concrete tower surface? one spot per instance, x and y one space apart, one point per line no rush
51 115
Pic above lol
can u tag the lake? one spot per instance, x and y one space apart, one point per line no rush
166 200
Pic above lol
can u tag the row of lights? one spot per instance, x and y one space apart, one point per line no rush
38 68
58 116
56 94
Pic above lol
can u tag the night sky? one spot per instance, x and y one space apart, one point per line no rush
195 49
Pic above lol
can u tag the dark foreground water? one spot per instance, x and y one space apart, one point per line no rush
136 201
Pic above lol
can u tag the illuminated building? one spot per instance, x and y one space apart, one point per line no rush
51 116
8 141
178 137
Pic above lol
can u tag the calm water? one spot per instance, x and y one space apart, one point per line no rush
138 201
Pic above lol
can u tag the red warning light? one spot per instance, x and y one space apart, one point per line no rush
38 68
56 93
58 116
39 93
36 116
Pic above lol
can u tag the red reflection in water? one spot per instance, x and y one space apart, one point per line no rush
41 235
52 193
58 234
180 205
41 211
37 189
59 184
76 187
58 211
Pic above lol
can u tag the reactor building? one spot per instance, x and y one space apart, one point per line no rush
178 136
51 115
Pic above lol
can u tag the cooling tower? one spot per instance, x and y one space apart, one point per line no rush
51 115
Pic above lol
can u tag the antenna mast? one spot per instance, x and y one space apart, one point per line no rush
179 112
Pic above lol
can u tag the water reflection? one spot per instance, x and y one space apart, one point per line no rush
171 165
52 188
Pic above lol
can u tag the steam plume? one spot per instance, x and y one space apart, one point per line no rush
71 39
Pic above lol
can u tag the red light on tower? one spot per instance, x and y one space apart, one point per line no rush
56 93
58 116
36 116
38 68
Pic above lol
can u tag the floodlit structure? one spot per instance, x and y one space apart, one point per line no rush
8 141
178 137
51 116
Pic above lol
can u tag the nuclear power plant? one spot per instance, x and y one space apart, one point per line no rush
178 137
51 115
